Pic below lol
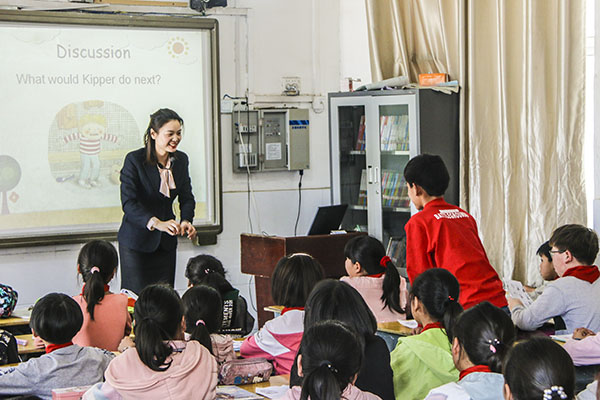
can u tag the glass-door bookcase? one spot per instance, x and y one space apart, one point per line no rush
372 137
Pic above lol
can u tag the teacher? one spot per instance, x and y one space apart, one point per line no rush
151 178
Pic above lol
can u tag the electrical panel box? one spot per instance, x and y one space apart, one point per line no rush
270 140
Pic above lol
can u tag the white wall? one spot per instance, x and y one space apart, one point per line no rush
258 46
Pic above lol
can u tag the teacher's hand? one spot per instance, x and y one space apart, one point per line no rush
171 227
188 229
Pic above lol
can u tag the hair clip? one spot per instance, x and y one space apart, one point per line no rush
493 342
94 269
560 391
207 271
384 261
329 366
450 298
200 322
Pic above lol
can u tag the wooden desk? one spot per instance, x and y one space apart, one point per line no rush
14 321
395 328
274 309
275 380
30 347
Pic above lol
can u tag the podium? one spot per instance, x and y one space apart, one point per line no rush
261 253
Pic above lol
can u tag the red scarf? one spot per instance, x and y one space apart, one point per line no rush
106 289
432 325
286 309
588 273
51 347
475 368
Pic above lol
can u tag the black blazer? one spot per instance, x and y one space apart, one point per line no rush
141 200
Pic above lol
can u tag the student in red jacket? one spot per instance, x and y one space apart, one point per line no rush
445 236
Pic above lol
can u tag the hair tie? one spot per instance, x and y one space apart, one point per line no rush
384 261
493 343
94 269
450 298
207 271
200 322
559 390
329 366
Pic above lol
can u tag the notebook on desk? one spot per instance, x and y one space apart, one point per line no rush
327 219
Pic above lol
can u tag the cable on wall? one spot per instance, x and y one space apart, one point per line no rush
301 172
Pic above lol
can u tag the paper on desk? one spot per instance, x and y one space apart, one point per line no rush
562 338
235 392
409 323
516 290
272 392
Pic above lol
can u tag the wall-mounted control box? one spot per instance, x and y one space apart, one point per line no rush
270 140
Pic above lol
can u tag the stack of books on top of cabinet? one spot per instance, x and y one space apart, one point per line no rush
393 132
394 192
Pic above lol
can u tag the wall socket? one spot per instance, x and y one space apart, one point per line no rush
291 85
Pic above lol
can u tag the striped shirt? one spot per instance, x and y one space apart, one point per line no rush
90 147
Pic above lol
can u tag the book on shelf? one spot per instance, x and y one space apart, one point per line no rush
394 192
396 250
393 132
360 138
362 189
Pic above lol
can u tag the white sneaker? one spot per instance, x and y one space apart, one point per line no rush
84 184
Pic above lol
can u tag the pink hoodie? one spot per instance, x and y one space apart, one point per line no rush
371 290
585 351
350 393
192 375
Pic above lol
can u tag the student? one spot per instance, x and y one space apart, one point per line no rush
329 363
482 336
278 340
203 316
445 236
105 317
374 275
206 269
162 365
55 318
573 296
424 361
332 299
539 369
546 270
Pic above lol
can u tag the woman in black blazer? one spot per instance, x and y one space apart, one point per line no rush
151 178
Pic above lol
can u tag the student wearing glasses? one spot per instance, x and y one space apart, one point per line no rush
574 295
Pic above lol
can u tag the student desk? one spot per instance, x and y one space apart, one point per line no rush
14 321
275 380
395 328
30 347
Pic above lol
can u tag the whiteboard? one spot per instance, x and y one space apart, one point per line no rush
68 77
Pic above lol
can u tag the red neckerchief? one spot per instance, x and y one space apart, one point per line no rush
474 368
432 325
286 309
588 273
51 347
379 275
106 289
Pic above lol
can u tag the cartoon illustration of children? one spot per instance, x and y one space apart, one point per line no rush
92 130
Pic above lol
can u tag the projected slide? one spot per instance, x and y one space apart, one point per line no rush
75 101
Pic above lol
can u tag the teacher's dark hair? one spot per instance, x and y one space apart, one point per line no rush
157 120
158 313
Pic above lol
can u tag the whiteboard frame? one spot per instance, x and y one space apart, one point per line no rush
207 232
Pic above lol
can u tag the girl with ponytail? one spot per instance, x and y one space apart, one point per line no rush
203 311
330 360
162 365
105 317
375 277
434 304
482 337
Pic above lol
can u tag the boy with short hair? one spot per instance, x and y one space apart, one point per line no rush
546 270
56 318
445 236
574 295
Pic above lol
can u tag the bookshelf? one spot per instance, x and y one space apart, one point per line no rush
373 134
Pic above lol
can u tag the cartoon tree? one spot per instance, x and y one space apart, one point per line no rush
10 175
